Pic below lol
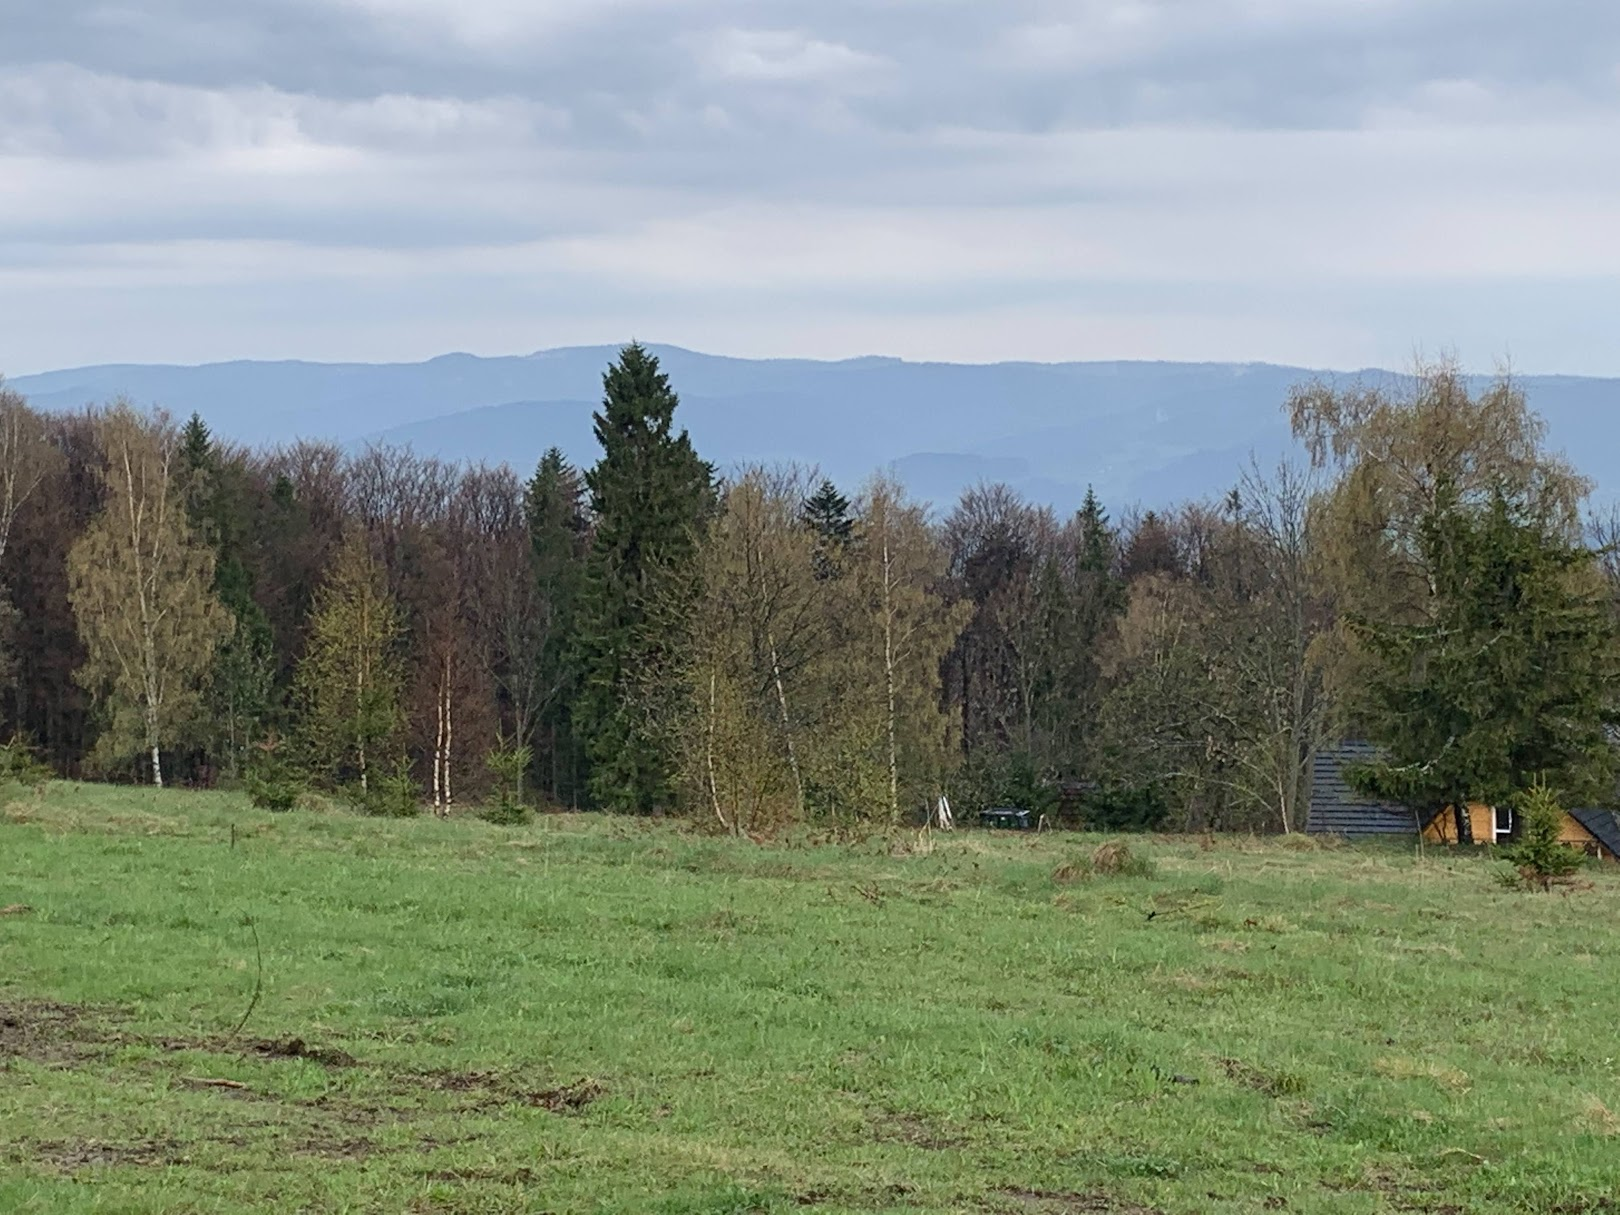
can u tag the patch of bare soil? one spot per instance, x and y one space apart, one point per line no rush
336 1125
569 1099
52 1034
914 1131
893 1194
519 1176
1399 1193
334 1148
1065 1202
297 1048
496 1088
1259 1080
77 1154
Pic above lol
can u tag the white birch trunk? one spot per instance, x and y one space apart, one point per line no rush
360 687
446 734
714 784
787 725
438 750
888 675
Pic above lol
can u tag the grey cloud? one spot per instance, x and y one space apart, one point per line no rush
448 135
1254 61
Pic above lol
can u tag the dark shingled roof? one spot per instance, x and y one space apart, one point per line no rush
1337 809
1604 826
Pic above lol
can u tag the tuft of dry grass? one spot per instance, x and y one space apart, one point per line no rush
1598 1117
1298 841
1399 1067
1112 859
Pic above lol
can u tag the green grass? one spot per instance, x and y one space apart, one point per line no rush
597 1015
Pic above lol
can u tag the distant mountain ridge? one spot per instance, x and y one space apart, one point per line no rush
1140 432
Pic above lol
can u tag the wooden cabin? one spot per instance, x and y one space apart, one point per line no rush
1338 809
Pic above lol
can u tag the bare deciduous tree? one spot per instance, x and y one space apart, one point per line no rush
26 457
142 589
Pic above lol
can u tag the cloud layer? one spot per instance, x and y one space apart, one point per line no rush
1322 181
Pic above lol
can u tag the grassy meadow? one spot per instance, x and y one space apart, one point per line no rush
589 1014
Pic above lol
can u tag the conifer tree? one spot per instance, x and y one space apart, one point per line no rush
546 674
1506 679
826 513
240 697
1470 644
650 494
347 687
1077 599
142 591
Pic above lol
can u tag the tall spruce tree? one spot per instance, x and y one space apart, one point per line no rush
650 493
1076 599
241 693
548 675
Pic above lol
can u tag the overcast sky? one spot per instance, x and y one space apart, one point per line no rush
1328 182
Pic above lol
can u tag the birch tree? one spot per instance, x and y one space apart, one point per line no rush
754 640
141 584
903 628
347 687
26 456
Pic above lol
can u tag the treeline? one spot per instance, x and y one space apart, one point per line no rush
763 647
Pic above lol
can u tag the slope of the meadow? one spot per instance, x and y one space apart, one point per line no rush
599 1015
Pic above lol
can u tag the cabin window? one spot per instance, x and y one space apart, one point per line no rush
1502 823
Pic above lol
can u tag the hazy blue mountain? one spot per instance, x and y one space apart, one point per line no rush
1149 432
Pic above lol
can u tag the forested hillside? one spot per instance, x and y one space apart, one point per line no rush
769 646
1134 431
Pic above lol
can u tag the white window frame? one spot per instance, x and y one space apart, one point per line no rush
1499 815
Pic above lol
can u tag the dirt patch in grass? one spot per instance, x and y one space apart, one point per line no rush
335 1148
917 1132
1272 1084
1402 1193
517 1176
297 1048
48 1033
71 1036
569 1099
498 1088
1066 1202
893 1194
74 1154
